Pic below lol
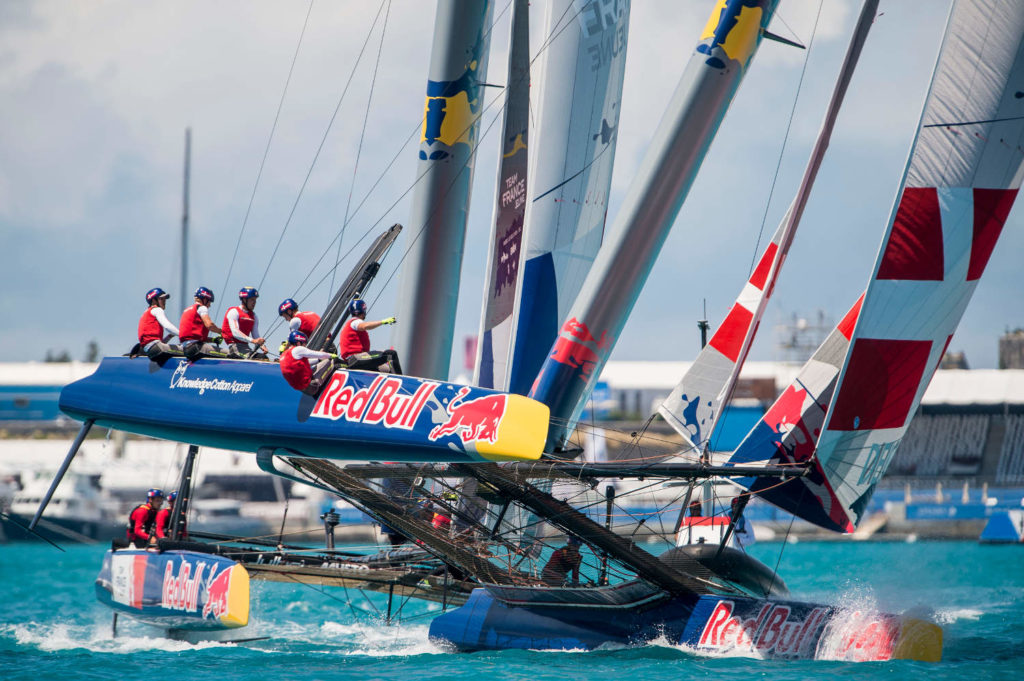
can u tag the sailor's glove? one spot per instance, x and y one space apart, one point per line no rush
389 320
281 348
335 358
217 340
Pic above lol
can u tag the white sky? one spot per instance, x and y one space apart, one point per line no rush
95 97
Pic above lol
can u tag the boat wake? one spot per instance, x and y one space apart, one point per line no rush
57 637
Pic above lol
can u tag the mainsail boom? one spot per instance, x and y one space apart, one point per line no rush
695 405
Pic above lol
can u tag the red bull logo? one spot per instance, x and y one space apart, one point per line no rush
577 348
217 589
774 631
377 404
472 420
770 632
181 592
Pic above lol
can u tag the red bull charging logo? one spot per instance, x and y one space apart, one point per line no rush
577 347
217 590
472 420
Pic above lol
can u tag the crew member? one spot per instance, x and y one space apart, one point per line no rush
154 327
564 561
304 321
305 369
196 326
163 520
142 519
242 326
355 343
442 519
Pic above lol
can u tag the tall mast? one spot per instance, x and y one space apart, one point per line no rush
677 149
184 218
695 405
437 227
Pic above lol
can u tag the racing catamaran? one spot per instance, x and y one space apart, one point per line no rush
817 452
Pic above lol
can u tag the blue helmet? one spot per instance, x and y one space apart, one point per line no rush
172 496
155 294
204 293
573 541
286 305
297 338
357 306
248 292
154 493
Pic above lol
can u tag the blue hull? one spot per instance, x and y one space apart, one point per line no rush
707 624
175 590
248 406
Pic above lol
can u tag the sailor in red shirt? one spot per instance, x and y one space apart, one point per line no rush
196 326
355 343
242 326
563 563
155 329
163 520
305 321
305 369
142 519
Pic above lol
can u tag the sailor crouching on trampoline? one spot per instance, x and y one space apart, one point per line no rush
355 343
305 369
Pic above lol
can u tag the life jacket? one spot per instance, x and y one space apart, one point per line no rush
192 327
149 328
163 522
148 522
246 320
352 340
297 372
441 521
307 321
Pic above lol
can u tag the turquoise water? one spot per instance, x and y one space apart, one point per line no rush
52 627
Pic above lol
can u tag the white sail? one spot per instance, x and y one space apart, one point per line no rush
502 278
581 71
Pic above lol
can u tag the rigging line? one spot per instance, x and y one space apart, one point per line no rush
266 151
359 149
316 156
423 227
957 125
785 139
418 126
409 138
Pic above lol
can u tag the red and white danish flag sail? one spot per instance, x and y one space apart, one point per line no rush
961 181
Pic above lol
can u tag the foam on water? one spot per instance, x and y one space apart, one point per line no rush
56 637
